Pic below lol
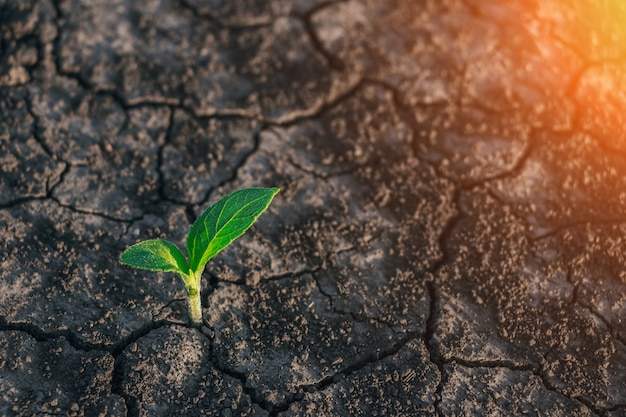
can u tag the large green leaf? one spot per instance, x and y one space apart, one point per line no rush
156 255
224 222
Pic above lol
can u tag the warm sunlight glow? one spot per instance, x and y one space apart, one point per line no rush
595 30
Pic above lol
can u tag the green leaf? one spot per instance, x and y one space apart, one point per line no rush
224 222
156 255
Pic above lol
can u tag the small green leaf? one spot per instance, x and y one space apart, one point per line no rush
224 222
156 255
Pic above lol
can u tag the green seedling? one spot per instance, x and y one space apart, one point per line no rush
213 230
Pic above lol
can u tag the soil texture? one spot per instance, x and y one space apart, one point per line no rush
448 239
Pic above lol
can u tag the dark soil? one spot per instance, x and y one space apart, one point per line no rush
448 240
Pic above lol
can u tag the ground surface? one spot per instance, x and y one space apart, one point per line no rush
448 241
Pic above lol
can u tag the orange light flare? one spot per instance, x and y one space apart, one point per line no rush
595 30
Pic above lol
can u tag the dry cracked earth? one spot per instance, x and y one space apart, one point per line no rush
448 241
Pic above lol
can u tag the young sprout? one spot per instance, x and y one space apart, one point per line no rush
213 230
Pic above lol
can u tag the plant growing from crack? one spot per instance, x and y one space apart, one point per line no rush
213 230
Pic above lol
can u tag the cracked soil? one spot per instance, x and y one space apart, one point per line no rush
448 241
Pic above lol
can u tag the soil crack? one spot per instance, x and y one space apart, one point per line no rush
235 171
366 360
329 59
435 355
